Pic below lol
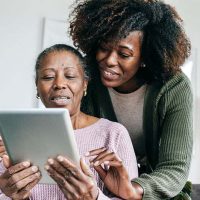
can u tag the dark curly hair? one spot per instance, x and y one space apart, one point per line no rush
165 45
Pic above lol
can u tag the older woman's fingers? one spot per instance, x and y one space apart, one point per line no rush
21 195
85 168
71 167
24 182
18 167
22 174
60 179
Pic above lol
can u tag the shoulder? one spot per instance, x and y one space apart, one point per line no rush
178 83
177 87
112 126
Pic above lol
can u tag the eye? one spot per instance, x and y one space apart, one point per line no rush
124 55
49 77
70 76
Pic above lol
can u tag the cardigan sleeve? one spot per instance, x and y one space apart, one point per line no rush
175 144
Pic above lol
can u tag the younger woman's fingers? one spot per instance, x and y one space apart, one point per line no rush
101 155
95 152
102 172
114 163
103 158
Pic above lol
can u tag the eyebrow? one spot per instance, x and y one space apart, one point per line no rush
126 47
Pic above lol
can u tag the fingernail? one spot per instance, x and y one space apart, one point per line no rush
91 164
60 158
106 162
50 161
0 159
34 168
26 164
38 174
87 153
96 163
46 167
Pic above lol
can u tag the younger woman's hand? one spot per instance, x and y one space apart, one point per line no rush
17 181
75 182
112 172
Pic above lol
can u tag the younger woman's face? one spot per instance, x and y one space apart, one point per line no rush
120 61
61 81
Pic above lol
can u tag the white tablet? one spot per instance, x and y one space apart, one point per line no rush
37 134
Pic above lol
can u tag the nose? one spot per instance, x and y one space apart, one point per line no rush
111 59
59 83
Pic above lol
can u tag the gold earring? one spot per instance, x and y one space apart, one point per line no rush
37 96
85 93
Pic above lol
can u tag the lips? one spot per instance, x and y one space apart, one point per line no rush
109 74
60 100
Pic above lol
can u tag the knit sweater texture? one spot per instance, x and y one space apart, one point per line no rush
168 130
103 133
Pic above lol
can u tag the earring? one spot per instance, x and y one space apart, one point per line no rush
143 65
37 96
85 93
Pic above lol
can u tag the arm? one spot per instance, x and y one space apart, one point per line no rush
171 172
120 165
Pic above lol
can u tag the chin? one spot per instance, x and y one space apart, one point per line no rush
110 84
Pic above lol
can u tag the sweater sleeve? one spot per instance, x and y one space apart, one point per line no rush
175 145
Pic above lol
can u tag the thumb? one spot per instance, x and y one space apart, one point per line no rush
85 168
6 161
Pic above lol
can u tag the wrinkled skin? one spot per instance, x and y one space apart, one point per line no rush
75 182
17 181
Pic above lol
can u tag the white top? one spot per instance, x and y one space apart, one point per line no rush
129 112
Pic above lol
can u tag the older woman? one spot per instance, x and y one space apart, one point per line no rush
61 80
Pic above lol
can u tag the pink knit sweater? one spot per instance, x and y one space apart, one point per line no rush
103 133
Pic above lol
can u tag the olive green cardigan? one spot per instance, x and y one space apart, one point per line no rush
167 124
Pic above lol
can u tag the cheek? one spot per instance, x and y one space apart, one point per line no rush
99 56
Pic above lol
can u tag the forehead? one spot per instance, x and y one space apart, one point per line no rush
61 58
134 38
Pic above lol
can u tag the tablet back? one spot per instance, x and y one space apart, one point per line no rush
37 134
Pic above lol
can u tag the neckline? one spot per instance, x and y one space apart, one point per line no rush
92 126
127 94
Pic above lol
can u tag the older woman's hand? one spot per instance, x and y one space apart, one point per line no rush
2 148
113 174
17 181
75 182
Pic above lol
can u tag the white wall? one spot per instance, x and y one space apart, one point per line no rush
21 31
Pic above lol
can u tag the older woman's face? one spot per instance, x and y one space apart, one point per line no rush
120 61
61 81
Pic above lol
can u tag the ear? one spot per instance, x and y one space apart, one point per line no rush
85 84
